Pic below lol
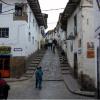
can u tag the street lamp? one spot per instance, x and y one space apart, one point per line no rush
98 70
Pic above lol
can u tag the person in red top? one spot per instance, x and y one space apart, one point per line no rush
4 87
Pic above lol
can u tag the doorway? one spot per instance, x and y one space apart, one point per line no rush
98 73
75 65
5 66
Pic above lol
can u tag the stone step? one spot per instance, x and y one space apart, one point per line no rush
64 68
33 65
27 75
63 63
36 59
40 55
31 68
66 72
30 72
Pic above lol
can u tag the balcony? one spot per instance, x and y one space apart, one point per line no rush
20 17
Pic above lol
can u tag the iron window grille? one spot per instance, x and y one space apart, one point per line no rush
4 32
98 2
0 7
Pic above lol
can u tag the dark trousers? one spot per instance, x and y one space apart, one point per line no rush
4 92
38 83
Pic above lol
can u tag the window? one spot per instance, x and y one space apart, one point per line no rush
33 22
18 10
98 2
4 32
71 46
75 25
33 39
0 7
29 36
80 43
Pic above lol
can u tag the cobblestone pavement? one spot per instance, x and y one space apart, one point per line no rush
51 67
53 85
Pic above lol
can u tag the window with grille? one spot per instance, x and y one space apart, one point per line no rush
4 32
75 25
18 10
0 7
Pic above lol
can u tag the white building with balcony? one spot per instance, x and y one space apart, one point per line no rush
20 33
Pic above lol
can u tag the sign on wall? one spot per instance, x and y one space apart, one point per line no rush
5 50
90 50
18 49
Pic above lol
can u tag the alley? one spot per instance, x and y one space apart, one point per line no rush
53 84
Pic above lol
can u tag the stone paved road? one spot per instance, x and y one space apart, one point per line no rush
53 85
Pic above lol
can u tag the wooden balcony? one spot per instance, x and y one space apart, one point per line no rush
23 17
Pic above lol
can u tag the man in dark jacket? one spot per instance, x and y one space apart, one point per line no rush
38 75
4 88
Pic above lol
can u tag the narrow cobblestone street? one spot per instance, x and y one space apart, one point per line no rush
53 84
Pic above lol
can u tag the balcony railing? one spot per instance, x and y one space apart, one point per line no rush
23 17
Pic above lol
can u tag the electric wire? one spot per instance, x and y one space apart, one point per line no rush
53 9
7 11
6 2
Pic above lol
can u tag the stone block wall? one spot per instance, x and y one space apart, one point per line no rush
17 66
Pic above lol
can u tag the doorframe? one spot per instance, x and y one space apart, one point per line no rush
75 65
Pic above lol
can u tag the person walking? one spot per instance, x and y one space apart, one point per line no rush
4 88
38 75
54 44
50 44
53 47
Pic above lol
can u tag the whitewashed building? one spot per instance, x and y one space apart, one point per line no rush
61 34
78 20
97 40
21 22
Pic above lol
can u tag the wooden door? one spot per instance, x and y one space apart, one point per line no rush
75 66
5 66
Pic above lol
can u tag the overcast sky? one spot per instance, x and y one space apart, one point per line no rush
53 15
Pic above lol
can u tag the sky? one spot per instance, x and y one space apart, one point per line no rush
53 15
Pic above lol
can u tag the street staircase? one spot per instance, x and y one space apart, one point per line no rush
71 83
65 68
33 62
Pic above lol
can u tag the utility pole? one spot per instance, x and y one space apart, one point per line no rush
98 72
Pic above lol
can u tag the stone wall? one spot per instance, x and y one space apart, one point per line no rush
17 66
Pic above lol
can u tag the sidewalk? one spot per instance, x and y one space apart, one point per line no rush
16 79
71 83
73 86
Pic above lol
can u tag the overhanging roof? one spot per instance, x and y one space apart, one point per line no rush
68 11
34 4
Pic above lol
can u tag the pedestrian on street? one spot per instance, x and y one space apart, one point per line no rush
53 48
50 44
38 75
4 88
54 44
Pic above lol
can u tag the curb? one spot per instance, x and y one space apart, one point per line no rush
78 92
17 80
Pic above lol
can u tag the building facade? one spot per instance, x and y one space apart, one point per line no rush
97 42
20 34
78 20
